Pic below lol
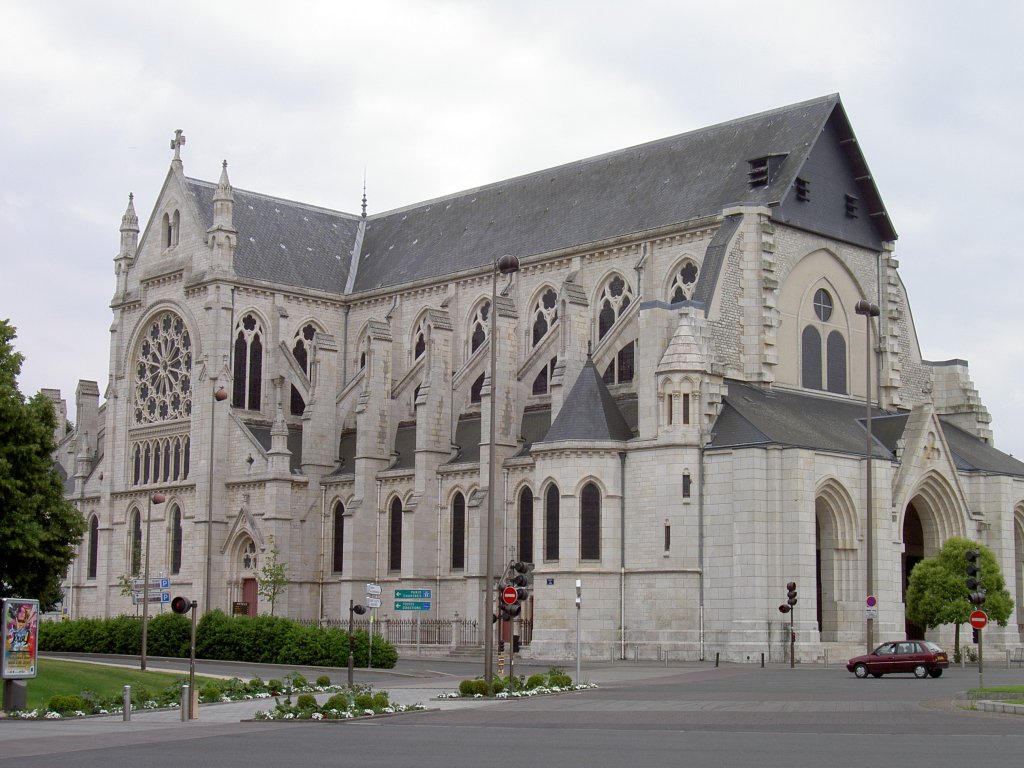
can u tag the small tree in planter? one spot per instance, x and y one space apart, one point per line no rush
272 580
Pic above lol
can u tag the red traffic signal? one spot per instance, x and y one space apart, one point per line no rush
181 604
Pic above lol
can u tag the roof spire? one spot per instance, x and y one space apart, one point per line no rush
364 193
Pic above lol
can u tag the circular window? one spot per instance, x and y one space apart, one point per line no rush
822 304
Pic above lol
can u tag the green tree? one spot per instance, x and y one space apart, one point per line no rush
937 593
39 529
272 579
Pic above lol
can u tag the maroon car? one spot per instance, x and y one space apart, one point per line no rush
922 657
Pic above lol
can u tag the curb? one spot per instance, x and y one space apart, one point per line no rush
987 705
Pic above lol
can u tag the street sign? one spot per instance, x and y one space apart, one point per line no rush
373 589
510 595
979 619
373 602
872 601
412 605
155 596
870 613
412 594
154 583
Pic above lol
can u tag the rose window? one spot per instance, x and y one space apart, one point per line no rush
163 371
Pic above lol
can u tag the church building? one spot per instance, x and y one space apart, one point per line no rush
683 374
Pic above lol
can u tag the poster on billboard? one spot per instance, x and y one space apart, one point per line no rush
20 628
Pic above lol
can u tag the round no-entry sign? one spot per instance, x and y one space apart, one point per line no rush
979 619
509 595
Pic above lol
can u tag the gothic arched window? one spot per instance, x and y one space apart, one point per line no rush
620 370
94 547
176 540
810 345
545 314
683 283
823 347
163 371
835 357
542 382
419 344
476 389
338 550
526 525
615 298
248 367
551 522
480 326
395 536
458 532
135 543
590 523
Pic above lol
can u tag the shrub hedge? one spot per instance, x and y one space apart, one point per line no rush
259 639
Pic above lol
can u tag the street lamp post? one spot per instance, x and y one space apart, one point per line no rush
506 265
218 397
155 498
869 310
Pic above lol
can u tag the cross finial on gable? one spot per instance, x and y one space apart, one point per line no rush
177 143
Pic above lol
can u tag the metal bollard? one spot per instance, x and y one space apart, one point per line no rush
762 659
185 693
126 703
716 659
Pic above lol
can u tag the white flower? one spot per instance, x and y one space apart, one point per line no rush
502 695
262 695
289 716
79 713
225 699
368 712
347 715
103 712
316 716
52 715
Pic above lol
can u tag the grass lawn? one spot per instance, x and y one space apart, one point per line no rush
57 677
1000 689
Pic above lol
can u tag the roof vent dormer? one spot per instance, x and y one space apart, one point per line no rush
763 169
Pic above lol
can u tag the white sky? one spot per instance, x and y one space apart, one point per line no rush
431 97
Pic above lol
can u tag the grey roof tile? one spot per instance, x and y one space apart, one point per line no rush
286 242
589 412
663 182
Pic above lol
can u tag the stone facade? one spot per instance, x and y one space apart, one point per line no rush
704 355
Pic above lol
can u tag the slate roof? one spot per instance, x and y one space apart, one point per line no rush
752 416
589 412
628 191
283 241
658 184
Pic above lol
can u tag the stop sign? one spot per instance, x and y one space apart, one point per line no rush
979 619
509 595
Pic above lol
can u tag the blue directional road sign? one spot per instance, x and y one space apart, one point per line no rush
412 605
412 594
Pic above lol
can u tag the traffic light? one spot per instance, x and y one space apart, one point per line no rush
974 637
523 574
181 604
791 593
359 610
976 594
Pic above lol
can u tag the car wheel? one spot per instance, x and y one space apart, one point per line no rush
935 672
861 670
876 674
921 671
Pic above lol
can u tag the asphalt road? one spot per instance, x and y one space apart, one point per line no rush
640 715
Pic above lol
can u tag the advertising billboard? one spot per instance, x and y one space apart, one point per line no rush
20 628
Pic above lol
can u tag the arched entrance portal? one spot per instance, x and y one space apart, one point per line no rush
913 553
836 566
933 515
